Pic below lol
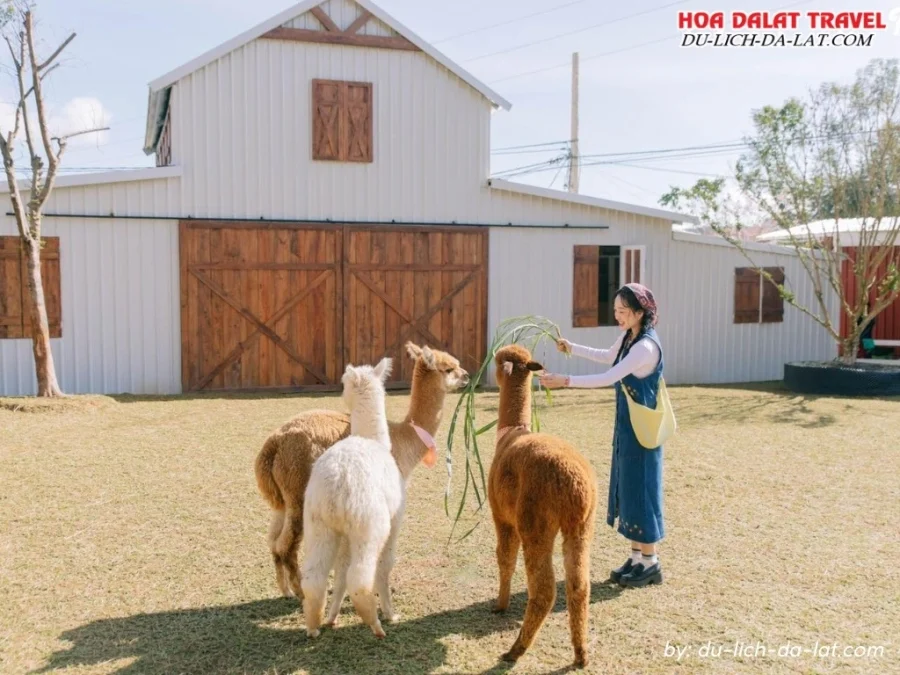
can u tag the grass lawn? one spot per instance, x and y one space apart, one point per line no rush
132 540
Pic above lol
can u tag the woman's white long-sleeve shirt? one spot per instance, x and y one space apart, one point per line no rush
640 362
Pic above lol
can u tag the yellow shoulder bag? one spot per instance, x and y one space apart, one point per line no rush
652 427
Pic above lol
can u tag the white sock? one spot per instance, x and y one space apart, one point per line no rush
649 560
635 556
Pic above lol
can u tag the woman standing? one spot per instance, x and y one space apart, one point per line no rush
636 473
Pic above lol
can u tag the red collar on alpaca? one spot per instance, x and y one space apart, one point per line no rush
502 431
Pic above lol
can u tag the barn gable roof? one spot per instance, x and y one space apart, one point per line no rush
160 87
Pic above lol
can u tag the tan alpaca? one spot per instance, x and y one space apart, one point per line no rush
539 485
284 464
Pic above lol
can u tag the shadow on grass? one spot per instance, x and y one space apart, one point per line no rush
772 404
252 639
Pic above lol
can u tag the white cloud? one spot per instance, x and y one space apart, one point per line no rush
80 114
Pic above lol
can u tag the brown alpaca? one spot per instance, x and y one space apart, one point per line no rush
539 485
284 464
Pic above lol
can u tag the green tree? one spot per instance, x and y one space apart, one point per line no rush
834 155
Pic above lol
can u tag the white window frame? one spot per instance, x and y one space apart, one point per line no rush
623 256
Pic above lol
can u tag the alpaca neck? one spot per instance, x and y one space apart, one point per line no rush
426 404
408 453
515 405
367 420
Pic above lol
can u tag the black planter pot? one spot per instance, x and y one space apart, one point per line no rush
837 379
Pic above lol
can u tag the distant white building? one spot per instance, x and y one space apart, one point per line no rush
321 196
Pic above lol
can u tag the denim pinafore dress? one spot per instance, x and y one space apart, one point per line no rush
636 473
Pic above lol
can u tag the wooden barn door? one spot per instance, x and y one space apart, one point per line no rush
260 306
422 284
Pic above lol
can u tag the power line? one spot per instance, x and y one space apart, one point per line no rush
622 50
509 21
557 148
533 145
718 149
589 58
576 31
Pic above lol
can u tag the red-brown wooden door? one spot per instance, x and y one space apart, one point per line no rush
427 285
260 306
272 306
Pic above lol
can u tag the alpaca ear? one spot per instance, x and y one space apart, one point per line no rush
534 366
428 358
383 369
413 351
508 367
351 376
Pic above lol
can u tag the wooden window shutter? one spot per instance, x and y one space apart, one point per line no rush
342 121
326 120
358 118
772 302
746 295
586 298
633 264
15 304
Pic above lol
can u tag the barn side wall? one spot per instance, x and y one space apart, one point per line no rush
120 294
532 273
887 324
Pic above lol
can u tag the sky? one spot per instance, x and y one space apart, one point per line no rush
634 96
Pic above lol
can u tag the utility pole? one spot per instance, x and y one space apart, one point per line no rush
574 159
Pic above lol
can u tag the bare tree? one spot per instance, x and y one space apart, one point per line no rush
45 153
831 158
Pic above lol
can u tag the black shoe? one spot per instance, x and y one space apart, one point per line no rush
642 576
619 572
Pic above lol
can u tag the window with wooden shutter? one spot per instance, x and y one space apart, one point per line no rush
772 302
15 303
342 121
164 147
756 299
633 264
586 299
597 273
746 295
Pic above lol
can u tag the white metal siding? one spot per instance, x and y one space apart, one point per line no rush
242 130
705 346
531 272
120 295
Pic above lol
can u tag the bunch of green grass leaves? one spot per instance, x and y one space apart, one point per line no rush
529 331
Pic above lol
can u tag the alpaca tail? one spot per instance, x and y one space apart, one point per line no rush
265 480
577 559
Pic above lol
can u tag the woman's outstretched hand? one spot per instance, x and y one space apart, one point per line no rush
551 381
564 346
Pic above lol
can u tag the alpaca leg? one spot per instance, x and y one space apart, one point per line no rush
276 525
538 553
383 574
317 564
577 555
507 552
361 577
339 592
289 542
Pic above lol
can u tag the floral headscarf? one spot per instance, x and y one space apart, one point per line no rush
645 299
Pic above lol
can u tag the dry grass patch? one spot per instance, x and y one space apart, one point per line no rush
133 541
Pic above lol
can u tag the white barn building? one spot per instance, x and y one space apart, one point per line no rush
321 195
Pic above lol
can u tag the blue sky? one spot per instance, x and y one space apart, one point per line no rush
657 96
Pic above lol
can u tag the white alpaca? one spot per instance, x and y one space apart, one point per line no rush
353 507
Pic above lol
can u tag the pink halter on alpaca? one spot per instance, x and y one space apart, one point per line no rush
430 457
